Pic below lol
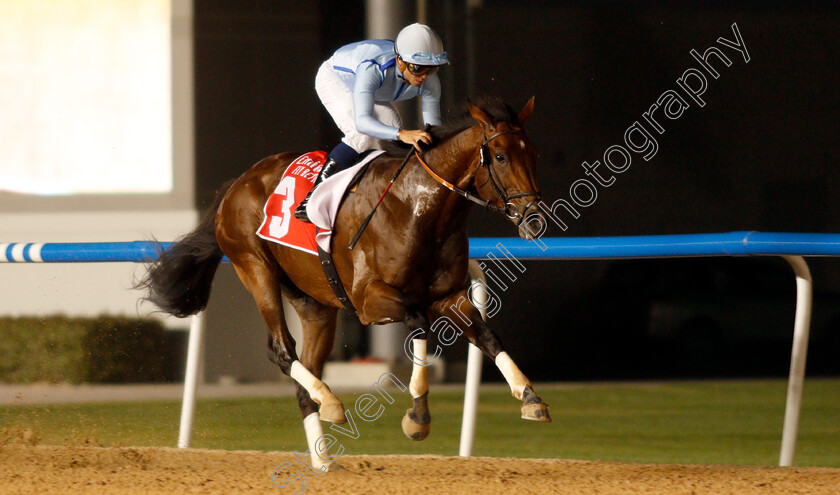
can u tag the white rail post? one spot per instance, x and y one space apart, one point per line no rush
474 362
799 353
473 381
191 379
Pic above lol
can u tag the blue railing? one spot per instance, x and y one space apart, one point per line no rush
650 246
791 246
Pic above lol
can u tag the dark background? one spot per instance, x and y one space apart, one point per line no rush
761 155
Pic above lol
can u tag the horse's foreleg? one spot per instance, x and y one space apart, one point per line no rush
463 316
385 303
416 424
533 407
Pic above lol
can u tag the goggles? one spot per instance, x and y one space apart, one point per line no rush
421 70
438 59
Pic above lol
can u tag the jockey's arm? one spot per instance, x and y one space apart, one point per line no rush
430 98
367 82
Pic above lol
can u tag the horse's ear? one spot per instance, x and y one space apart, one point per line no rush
480 115
526 111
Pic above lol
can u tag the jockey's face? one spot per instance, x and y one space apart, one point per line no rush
414 74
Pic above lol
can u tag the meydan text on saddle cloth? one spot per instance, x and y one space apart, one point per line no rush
279 223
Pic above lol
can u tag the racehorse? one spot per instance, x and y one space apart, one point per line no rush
410 264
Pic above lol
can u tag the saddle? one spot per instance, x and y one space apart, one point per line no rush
279 224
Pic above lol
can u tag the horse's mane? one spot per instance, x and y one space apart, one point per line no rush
492 105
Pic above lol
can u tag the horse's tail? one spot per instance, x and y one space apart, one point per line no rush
179 281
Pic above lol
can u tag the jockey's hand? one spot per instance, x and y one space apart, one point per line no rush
414 138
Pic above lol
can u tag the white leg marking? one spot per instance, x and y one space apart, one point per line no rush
307 380
312 427
419 384
515 378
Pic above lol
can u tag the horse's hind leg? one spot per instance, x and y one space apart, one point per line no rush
318 322
263 283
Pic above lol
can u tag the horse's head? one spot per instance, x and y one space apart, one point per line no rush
506 174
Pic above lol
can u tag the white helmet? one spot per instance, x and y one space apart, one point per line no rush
418 44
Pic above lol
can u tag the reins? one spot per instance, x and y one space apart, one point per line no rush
370 215
452 187
484 161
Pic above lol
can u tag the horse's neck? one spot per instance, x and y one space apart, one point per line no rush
454 161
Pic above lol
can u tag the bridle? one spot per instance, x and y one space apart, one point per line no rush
486 161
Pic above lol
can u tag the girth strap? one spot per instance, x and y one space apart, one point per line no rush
326 258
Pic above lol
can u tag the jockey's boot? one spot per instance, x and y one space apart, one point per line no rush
329 168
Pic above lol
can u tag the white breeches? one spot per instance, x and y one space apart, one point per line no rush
338 100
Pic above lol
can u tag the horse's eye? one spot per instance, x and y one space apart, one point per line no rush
500 158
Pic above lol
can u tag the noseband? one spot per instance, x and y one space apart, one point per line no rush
486 161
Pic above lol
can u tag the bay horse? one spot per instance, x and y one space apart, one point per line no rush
410 264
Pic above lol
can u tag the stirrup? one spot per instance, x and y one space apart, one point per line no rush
329 168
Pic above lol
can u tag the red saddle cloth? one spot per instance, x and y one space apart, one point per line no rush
279 223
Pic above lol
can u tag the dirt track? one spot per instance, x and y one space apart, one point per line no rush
129 470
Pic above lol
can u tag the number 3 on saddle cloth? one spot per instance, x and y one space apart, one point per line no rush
279 223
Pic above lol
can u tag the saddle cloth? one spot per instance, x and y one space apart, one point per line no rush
279 223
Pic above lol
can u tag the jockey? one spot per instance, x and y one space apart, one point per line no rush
359 82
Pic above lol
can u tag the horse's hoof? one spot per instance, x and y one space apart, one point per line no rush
533 407
322 467
333 413
334 467
536 412
413 430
